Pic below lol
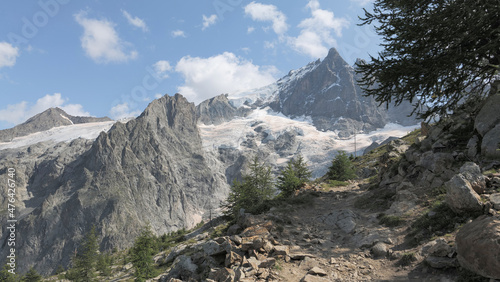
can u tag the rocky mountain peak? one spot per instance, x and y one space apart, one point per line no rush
50 118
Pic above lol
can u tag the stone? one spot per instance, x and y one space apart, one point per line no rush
440 248
232 258
267 263
404 202
255 231
495 200
478 246
175 252
317 271
460 196
182 265
313 278
252 262
234 229
281 250
213 248
236 239
258 243
379 250
442 262
300 256
472 172
489 115
472 147
345 220
223 275
490 146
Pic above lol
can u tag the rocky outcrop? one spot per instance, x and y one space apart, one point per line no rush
478 246
151 169
46 120
218 110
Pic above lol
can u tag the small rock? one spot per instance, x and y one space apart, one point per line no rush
252 262
495 200
313 278
267 263
440 248
233 229
255 231
236 239
317 271
379 250
300 256
232 258
281 250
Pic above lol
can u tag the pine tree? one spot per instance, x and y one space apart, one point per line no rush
32 276
341 168
84 262
142 254
288 181
7 276
438 53
301 169
250 193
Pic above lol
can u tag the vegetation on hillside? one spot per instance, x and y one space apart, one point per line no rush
342 168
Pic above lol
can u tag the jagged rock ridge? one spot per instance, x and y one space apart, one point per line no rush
151 169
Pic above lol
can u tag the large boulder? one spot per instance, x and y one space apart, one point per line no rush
490 147
460 196
478 246
489 115
472 172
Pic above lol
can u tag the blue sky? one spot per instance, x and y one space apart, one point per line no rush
112 58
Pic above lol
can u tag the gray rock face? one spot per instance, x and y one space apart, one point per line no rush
478 246
330 95
46 120
151 169
218 110
461 197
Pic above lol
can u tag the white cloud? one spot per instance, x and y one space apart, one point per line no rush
161 68
178 33
224 73
135 21
316 36
250 29
122 111
8 54
101 41
18 113
264 13
158 96
208 21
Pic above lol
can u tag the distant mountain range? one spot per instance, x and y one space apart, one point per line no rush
172 165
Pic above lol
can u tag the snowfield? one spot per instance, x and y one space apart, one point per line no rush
60 134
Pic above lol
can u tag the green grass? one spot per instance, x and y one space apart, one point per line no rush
426 227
